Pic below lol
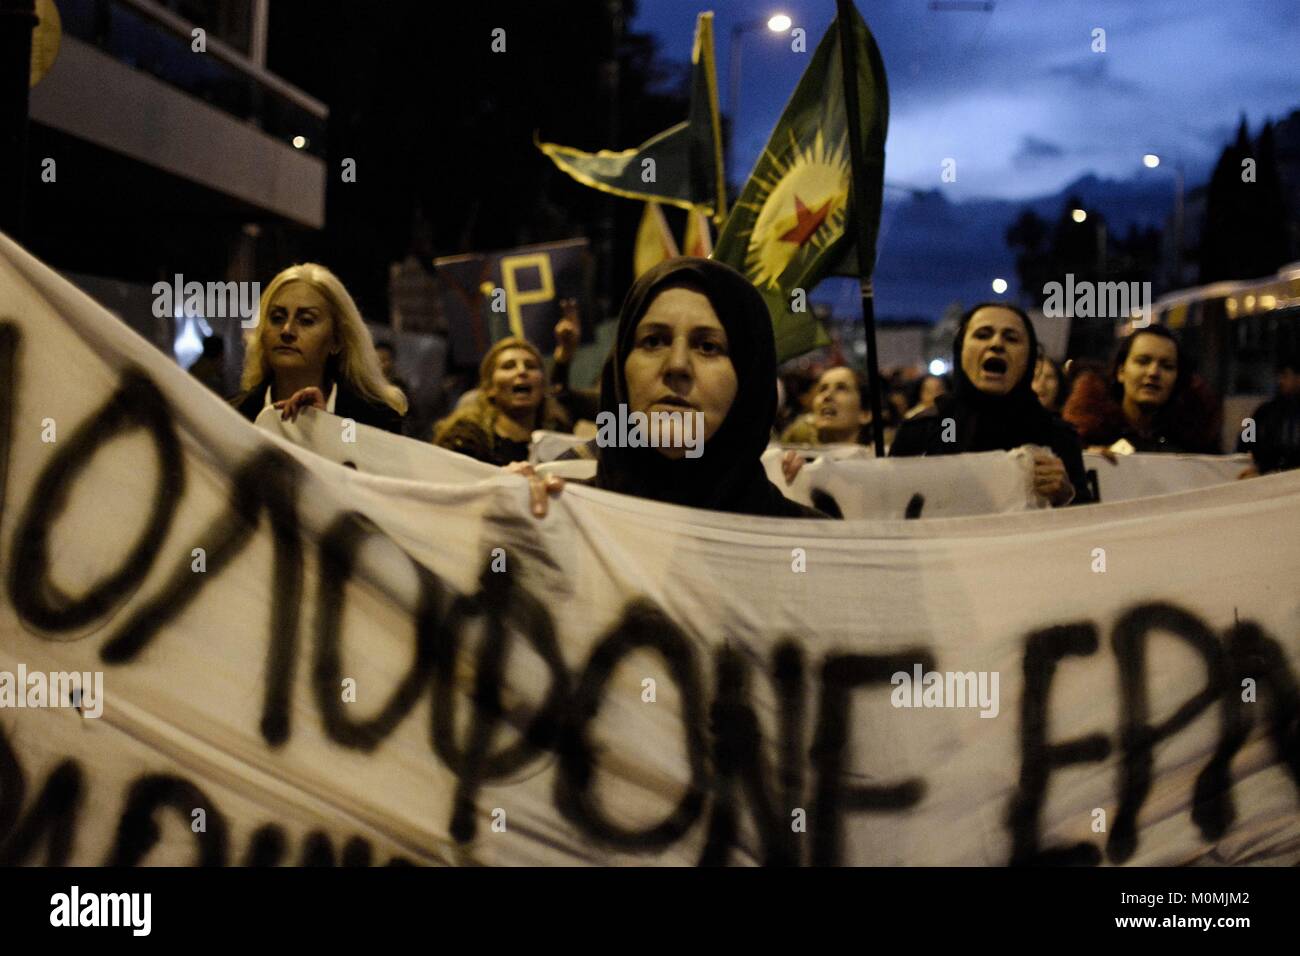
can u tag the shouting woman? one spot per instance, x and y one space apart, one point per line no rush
993 405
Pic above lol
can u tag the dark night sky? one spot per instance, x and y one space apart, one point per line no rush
1020 100
1017 96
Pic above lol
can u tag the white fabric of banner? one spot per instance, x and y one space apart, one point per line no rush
1143 475
943 486
303 660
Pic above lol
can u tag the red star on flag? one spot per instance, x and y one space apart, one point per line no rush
810 221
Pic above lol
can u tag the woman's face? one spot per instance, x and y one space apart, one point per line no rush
995 351
837 403
1047 384
516 385
1149 372
679 362
299 333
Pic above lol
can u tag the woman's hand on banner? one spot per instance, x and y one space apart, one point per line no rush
539 486
303 398
791 465
1051 480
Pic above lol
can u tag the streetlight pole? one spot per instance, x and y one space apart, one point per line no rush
1178 222
1151 161
17 20
733 84
777 24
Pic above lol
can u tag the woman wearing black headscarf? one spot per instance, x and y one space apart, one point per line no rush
993 405
694 338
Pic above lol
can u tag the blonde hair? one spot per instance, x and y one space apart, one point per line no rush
483 413
357 362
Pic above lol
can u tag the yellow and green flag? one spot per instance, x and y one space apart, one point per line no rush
682 165
793 223
698 240
654 243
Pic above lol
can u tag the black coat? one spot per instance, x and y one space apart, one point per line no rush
923 435
1277 435
347 404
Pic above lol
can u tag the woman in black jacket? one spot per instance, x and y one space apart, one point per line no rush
993 406
310 349
694 337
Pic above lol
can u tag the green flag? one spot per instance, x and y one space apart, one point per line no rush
682 165
793 223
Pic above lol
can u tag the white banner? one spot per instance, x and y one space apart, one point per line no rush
942 486
1143 475
302 662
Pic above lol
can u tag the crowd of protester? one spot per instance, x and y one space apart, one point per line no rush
695 337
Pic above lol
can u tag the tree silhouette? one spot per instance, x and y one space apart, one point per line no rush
1245 234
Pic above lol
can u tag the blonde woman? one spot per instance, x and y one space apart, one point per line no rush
311 350
512 402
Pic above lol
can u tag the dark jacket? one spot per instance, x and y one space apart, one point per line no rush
347 404
923 435
470 438
1277 435
580 403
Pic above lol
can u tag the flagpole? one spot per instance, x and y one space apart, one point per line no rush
849 61
17 20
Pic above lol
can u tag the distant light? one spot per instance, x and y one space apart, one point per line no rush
938 367
1078 215
299 142
188 343
1151 160
999 286
779 23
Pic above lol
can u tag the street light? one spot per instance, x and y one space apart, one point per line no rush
777 23
1151 160
1081 216
999 285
